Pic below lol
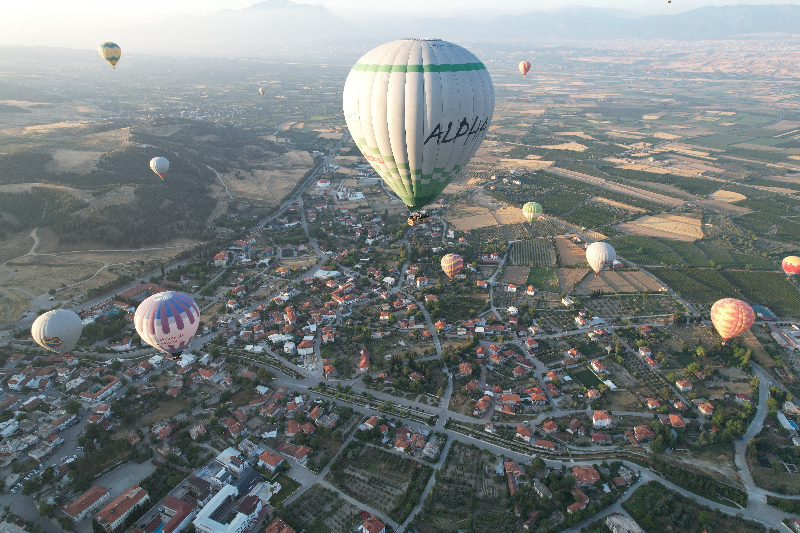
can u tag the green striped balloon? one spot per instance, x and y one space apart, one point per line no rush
418 109
532 210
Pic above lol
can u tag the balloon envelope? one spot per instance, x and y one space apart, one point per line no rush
167 321
791 265
600 255
732 317
524 67
418 109
532 210
160 166
262 91
110 52
57 331
452 264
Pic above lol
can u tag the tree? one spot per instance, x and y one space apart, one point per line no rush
72 407
46 509
658 446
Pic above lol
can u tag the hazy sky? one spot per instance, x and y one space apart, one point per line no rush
27 22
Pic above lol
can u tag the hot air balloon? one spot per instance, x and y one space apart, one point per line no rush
731 317
791 265
57 331
452 264
111 53
160 166
418 109
167 321
600 255
524 67
263 91
532 210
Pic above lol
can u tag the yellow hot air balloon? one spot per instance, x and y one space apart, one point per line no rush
452 264
111 53
262 90
732 317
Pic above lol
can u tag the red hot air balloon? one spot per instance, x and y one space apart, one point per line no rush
452 264
732 317
524 67
167 321
791 265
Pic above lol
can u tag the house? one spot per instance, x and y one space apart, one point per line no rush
601 419
618 523
292 428
524 433
652 403
643 433
575 507
677 421
585 476
550 427
644 351
221 259
305 348
574 426
465 369
598 366
278 526
743 399
683 385
482 406
372 524
270 461
510 399
706 408
593 394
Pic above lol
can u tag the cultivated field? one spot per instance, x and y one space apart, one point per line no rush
569 253
320 509
612 282
568 278
667 226
515 274
534 253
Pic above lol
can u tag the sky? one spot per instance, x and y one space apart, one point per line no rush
31 21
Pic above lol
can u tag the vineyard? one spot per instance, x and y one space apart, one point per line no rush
770 225
560 202
645 250
544 227
535 253
769 289
689 251
515 232
593 216
704 286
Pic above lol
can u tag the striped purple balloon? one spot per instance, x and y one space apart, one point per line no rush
167 321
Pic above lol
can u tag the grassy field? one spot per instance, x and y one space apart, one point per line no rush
586 378
288 487
538 276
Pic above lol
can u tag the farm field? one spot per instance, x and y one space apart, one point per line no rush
617 281
383 480
568 278
533 253
703 286
769 289
465 493
319 510
569 253
516 274
667 226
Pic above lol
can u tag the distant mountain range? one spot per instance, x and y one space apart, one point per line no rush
284 27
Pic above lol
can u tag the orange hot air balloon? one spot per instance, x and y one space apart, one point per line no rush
732 317
452 264
791 265
524 67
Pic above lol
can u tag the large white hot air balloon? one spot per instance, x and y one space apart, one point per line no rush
160 166
57 331
600 255
418 109
167 321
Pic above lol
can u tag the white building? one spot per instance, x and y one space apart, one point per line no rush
246 514
232 460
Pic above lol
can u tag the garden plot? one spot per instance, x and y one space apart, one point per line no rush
569 253
320 509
